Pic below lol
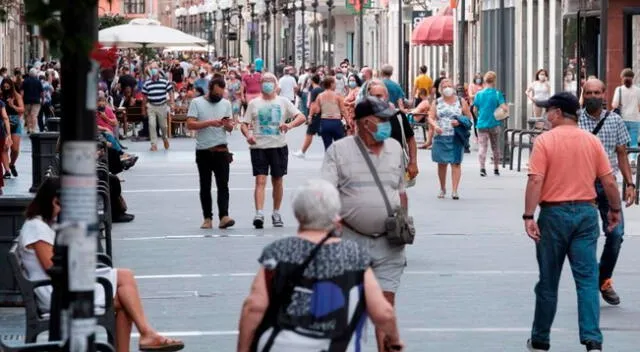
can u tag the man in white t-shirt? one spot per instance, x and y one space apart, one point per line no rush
271 117
288 87
627 98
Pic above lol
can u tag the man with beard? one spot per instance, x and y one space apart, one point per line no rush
210 117
610 129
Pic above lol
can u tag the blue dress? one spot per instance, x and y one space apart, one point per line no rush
447 148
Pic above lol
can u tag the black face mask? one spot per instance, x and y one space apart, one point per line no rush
592 104
101 108
215 98
628 82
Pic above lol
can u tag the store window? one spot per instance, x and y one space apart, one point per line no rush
134 6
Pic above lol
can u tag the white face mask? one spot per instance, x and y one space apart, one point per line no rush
449 91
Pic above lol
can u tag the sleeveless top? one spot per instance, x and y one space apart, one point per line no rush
329 108
446 113
540 91
10 111
327 308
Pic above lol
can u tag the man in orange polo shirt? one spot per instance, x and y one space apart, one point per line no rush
564 164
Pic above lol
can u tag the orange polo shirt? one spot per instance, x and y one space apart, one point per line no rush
570 160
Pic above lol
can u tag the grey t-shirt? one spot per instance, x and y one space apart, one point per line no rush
203 110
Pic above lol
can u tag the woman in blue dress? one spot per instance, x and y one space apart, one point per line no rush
450 118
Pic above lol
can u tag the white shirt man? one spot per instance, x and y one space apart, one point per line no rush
288 86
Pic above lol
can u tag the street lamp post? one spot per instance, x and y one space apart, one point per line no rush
240 20
274 13
329 36
314 5
267 16
285 42
252 51
304 38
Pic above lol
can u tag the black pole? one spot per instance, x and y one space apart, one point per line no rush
292 32
238 40
461 46
400 46
265 54
579 53
274 13
361 34
77 237
329 35
304 37
314 5
253 32
604 25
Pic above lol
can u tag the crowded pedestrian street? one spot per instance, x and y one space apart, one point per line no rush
468 284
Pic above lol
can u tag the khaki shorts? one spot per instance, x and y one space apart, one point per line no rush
387 261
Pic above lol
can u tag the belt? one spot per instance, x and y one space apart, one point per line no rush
219 148
567 202
374 235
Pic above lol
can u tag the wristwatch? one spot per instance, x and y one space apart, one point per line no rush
527 217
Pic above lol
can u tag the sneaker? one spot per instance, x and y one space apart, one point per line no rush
483 172
593 346
14 172
258 221
7 175
154 148
537 346
225 222
165 142
608 293
299 154
496 172
276 219
206 224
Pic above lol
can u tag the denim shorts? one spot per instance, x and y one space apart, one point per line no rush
15 123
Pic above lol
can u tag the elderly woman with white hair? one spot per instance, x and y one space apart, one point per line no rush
312 290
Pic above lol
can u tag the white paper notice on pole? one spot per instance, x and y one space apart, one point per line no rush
81 329
92 86
78 195
82 257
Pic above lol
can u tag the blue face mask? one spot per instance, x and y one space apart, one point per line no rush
154 72
268 87
352 84
383 132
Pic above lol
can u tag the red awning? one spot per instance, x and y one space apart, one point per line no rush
435 30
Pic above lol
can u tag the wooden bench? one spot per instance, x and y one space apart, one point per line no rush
37 322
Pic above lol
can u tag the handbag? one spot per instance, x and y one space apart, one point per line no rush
618 110
409 182
499 113
398 225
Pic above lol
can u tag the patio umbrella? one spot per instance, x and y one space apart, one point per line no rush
146 33
194 48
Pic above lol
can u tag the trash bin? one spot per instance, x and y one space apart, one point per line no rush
43 150
12 209
53 124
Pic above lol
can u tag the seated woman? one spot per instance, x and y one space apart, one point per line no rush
322 309
35 246
106 121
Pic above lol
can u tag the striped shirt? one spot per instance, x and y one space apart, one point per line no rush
156 91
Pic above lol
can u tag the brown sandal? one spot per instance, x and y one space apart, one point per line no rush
167 345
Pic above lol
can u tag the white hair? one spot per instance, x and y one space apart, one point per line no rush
316 205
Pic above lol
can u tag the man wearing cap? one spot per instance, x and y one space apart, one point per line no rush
614 137
268 114
563 166
363 207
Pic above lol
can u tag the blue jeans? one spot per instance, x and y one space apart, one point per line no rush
568 231
633 127
331 130
115 144
614 239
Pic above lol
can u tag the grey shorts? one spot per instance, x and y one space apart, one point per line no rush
387 261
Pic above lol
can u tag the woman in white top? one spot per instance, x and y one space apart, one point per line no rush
35 248
570 83
539 90
627 98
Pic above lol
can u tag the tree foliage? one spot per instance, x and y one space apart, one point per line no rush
107 21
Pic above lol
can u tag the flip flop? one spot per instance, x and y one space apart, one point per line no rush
165 346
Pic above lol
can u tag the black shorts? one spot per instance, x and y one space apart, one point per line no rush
274 159
314 126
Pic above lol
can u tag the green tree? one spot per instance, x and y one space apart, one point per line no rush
107 21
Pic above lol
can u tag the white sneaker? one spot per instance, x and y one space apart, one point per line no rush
299 154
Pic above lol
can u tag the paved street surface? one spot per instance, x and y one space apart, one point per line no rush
468 285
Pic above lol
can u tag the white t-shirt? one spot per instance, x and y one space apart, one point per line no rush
630 104
266 116
35 230
287 86
341 84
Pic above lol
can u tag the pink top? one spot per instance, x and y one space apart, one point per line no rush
104 122
252 83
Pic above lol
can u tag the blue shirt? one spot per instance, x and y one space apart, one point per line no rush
395 91
487 101
203 110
